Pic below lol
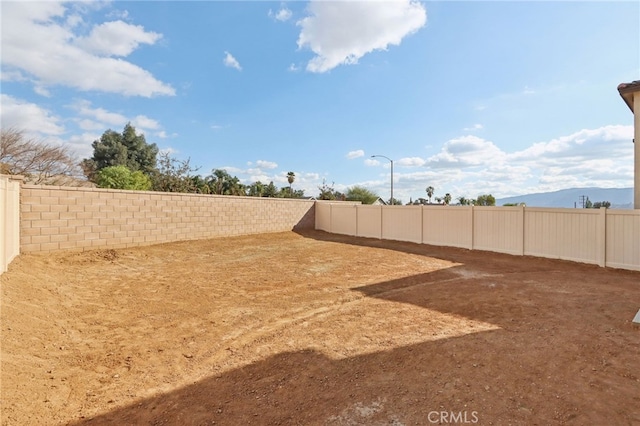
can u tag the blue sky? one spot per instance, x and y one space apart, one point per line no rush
475 97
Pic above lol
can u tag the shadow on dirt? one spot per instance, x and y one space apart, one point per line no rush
540 366
307 388
476 259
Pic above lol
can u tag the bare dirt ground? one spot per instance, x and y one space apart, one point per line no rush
316 329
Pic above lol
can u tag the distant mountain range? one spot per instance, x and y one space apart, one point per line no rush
620 198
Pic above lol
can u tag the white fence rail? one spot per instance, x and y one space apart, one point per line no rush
603 237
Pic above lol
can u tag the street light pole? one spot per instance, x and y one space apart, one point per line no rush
382 156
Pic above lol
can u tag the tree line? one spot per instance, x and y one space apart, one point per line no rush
124 160
446 199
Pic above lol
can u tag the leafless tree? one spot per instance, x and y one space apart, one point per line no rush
35 159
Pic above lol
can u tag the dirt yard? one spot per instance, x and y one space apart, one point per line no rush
316 329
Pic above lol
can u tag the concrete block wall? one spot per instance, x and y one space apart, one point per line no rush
66 218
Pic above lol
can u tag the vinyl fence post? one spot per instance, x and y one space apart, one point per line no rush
601 239
522 227
472 219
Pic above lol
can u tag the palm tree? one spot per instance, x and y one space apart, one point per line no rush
430 192
270 190
222 183
447 198
290 178
256 189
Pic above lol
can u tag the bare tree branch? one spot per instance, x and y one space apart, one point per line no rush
38 161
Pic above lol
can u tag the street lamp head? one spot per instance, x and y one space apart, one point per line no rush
384 156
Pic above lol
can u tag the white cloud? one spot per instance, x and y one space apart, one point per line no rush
164 135
81 144
50 53
231 170
12 75
343 32
86 124
118 14
144 122
256 172
74 20
281 15
101 115
90 118
467 151
116 38
293 68
608 142
476 126
42 91
231 62
600 157
355 154
268 165
470 165
411 162
258 177
29 117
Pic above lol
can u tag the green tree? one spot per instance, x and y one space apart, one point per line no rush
598 204
447 198
430 190
359 193
120 177
327 192
256 189
174 175
270 190
285 192
463 201
222 183
485 200
121 149
200 185
290 178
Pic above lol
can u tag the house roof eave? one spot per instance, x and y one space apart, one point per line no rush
627 90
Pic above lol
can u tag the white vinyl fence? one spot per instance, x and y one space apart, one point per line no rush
9 220
603 237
